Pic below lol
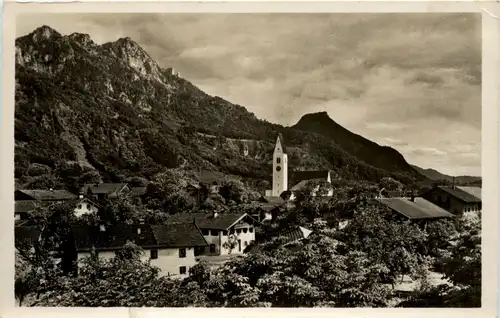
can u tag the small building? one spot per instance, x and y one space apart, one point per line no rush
44 195
171 247
456 200
99 190
414 208
218 227
269 207
84 206
302 178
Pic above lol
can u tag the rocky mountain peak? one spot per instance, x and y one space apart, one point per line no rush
44 33
82 39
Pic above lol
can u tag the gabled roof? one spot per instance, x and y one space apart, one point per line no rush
80 201
223 221
298 176
24 206
114 237
178 235
287 236
171 235
460 194
420 208
475 191
48 195
105 188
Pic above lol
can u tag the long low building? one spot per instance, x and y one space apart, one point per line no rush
415 208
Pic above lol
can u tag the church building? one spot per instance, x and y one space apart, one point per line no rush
299 178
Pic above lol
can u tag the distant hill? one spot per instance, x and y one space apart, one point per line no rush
382 157
433 174
109 112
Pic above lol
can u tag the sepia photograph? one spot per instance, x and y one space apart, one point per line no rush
248 160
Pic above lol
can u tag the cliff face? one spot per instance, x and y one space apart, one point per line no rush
111 112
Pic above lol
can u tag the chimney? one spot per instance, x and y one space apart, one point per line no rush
102 228
412 197
453 183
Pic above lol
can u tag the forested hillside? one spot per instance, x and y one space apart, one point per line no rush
88 113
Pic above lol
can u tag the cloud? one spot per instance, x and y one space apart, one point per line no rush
409 77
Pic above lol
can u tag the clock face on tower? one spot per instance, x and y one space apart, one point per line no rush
278 168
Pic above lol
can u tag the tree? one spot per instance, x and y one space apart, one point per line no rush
231 243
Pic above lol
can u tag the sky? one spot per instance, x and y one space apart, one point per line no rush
408 81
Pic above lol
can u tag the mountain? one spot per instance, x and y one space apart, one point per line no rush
87 113
382 157
433 174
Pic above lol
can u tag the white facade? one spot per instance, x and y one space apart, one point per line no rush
84 207
280 170
244 233
171 261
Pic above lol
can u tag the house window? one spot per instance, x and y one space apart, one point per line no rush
231 231
278 160
246 243
215 232
182 270
88 206
250 230
224 233
182 252
154 254
245 230
199 250
212 248
79 206
238 231
205 232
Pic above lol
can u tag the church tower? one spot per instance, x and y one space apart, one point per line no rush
280 168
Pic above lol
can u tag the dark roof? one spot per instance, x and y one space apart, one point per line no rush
417 209
287 236
298 176
223 221
24 206
114 237
104 188
78 201
178 235
26 235
138 191
460 194
475 191
272 200
49 195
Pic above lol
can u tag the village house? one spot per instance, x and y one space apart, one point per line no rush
84 206
28 200
100 190
455 199
414 208
217 228
268 208
171 247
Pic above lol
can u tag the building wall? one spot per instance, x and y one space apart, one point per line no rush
222 237
168 260
450 203
85 208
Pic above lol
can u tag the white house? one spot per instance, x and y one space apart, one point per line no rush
84 206
218 228
171 247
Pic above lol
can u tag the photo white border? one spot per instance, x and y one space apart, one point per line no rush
490 122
